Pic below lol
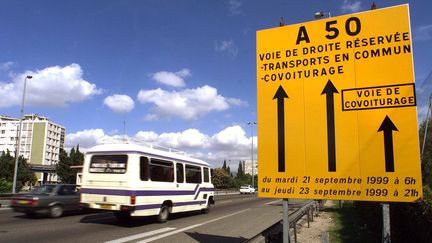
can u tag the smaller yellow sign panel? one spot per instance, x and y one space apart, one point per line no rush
337 114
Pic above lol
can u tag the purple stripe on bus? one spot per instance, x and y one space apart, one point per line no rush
207 189
188 203
148 206
196 192
117 192
178 204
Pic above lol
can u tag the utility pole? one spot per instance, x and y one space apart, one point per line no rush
252 153
18 140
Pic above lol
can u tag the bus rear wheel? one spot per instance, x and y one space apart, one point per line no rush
163 215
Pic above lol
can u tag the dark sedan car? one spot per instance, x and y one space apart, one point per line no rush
53 199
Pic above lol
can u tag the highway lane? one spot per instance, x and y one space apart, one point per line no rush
230 220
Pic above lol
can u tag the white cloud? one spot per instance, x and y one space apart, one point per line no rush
227 46
53 86
146 136
423 33
237 102
191 138
119 103
175 79
187 104
234 6
184 73
351 6
86 138
230 136
230 143
6 66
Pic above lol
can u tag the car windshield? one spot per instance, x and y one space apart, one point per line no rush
44 189
244 187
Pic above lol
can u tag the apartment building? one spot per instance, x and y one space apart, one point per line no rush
41 141
247 167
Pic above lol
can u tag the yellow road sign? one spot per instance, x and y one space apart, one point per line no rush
337 114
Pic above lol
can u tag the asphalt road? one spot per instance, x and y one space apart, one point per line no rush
233 219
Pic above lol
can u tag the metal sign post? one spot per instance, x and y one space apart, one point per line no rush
386 223
286 236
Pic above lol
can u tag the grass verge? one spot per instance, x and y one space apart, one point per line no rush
350 226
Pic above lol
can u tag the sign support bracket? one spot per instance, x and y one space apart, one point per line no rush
286 236
386 237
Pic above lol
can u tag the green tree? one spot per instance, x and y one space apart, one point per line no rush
426 159
24 173
220 178
63 167
240 171
76 157
5 186
224 166
63 170
7 168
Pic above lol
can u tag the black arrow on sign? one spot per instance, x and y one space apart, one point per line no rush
329 90
280 95
387 126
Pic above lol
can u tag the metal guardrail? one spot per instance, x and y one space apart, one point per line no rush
274 232
226 191
5 199
308 209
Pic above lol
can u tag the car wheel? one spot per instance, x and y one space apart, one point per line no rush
56 211
163 215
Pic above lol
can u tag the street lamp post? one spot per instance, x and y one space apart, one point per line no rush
252 152
19 135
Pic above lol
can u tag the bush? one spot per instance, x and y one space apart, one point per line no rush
412 222
5 186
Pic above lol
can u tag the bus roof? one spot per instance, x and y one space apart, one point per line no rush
152 152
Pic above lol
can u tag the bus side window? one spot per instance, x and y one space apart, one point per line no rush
193 174
144 168
180 173
161 170
206 175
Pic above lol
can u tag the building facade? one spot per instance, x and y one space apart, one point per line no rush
247 167
40 143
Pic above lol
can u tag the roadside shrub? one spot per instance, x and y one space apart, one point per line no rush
5 186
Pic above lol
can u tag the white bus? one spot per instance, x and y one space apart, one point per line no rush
135 180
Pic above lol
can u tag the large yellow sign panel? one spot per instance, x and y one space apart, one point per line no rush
337 114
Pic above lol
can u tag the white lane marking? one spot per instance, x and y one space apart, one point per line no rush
273 202
142 235
189 227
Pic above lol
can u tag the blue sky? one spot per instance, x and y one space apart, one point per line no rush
177 73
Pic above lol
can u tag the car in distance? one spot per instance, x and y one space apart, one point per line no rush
52 199
247 189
